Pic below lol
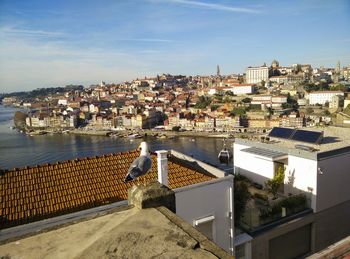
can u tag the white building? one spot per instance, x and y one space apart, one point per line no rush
269 100
321 172
254 75
242 89
62 102
236 89
321 97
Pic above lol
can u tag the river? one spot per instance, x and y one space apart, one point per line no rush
19 150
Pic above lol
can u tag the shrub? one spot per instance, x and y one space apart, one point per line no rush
241 197
274 184
260 196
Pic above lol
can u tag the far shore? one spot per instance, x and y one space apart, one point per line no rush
147 132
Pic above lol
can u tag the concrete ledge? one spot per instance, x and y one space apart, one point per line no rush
202 240
151 196
46 225
340 249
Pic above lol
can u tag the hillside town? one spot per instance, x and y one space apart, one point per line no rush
264 97
283 170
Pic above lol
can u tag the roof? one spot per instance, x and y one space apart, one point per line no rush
44 191
125 233
334 139
327 92
274 155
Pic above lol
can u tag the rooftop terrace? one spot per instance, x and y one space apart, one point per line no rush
334 138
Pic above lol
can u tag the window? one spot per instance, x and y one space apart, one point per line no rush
206 226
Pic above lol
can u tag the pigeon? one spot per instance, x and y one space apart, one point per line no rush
141 165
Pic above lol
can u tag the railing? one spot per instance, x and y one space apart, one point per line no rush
264 213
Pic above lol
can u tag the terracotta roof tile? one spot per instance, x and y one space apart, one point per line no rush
43 191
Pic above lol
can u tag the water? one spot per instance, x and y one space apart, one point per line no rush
19 150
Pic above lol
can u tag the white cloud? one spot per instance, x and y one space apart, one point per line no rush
25 32
146 40
218 7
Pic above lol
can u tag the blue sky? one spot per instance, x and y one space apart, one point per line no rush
54 43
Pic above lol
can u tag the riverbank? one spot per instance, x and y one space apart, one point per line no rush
20 150
152 133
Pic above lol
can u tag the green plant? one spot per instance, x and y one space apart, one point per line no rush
240 177
241 197
274 184
238 111
292 204
203 102
260 196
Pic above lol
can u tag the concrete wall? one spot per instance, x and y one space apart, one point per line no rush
255 167
209 199
331 225
261 242
327 227
333 181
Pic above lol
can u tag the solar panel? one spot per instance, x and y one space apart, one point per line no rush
313 137
278 132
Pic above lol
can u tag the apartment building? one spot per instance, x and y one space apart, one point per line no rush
322 97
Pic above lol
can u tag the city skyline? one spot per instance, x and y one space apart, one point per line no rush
48 44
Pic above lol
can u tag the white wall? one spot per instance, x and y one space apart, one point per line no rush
300 174
304 172
333 183
256 168
209 199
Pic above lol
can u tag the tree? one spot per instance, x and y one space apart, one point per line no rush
326 113
238 111
230 93
214 107
19 119
246 100
203 102
347 110
274 184
241 197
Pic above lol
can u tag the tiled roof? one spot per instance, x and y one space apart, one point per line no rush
34 193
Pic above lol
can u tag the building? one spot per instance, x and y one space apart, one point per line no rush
254 75
336 102
318 171
323 97
149 228
293 121
287 79
243 89
204 195
269 100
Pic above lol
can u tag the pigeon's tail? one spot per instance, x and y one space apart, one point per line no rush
128 178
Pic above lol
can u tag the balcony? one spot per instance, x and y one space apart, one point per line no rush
263 210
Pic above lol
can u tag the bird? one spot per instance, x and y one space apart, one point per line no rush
141 165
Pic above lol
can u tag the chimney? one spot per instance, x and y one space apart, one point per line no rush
162 161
